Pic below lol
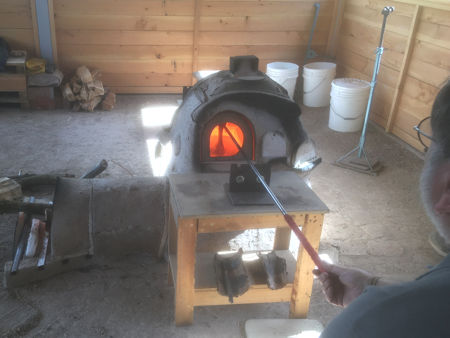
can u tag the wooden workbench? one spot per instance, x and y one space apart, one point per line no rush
199 204
14 82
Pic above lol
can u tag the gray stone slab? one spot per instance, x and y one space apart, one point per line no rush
128 214
203 194
70 231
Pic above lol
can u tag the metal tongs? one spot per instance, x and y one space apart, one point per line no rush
289 220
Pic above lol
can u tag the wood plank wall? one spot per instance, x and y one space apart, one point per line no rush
428 69
271 30
140 46
16 25
415 62
153 46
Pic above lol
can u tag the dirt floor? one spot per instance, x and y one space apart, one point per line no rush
375 223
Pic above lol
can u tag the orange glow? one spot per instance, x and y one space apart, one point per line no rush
221 144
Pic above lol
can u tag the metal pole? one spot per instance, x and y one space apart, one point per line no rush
376 68
309 52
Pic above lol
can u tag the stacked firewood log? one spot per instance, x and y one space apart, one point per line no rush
85 91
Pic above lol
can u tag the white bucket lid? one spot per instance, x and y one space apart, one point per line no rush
282 66
320 65
282 69
319 69
350 85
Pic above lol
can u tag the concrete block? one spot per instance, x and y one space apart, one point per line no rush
71 234
128 214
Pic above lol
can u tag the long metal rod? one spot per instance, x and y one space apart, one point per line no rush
288 218
376 68
257 173
20 249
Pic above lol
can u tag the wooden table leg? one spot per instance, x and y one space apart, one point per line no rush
168 217
184 292
171 229
303 280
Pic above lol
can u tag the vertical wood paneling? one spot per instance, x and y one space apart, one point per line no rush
16 25
138 45
52 31
144 44
195 36
403 69
37 47
414 65
271 30
428 69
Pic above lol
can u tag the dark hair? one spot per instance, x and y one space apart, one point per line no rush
440 119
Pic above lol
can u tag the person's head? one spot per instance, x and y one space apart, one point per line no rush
435 180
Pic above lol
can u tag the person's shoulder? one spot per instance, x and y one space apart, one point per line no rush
446 260
408 309
442 270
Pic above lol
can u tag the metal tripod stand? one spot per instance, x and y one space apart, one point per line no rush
365 166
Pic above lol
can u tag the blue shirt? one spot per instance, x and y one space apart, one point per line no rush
420 308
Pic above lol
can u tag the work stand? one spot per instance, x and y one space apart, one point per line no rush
354 161
199 204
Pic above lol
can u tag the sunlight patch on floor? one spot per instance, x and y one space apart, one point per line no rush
160 156
158 115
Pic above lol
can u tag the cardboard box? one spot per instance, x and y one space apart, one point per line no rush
42 98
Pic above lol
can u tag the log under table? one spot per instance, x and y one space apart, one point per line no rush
199 204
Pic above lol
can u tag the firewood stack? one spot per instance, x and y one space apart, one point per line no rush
85 91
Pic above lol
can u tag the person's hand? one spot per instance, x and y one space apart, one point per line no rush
343 285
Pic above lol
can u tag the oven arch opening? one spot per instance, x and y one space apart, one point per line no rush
216 143
221 143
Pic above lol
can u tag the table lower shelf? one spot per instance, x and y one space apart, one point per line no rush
205 292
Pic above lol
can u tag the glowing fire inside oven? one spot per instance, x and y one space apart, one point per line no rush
221 144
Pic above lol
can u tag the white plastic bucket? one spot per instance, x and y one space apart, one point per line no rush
317 77
284 73
348 104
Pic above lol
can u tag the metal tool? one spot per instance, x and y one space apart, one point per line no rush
289 220
43 254
97 170
232 277
19 249
36 206
275 269
244 187
367 167
310 54
20 224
